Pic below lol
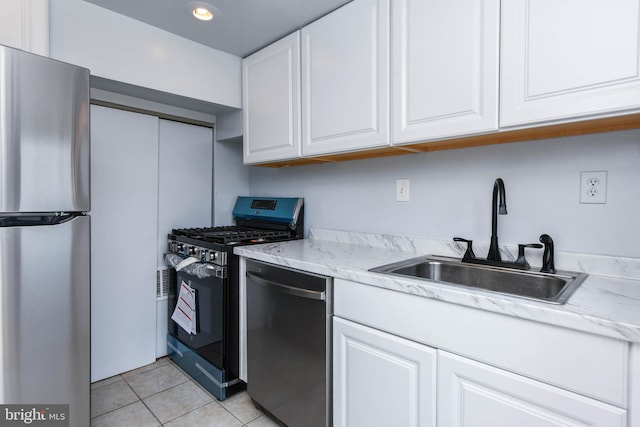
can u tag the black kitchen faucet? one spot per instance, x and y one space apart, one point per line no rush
498 188
499 207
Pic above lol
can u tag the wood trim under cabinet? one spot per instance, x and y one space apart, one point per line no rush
608 124
585 127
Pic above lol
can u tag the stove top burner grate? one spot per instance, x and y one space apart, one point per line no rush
232 235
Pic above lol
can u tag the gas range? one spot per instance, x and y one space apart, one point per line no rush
204 267
258 220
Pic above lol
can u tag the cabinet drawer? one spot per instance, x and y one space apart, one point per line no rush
588 364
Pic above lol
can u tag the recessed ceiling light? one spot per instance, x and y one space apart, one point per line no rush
202 10
203 14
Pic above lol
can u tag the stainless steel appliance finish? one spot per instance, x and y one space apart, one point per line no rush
44 134
289 343
44 234
45 315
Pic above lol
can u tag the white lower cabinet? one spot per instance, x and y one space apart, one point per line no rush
380 379
483 369
473 394
634 386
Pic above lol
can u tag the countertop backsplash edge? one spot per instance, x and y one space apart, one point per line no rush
601 265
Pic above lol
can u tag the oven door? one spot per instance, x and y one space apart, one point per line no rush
210 338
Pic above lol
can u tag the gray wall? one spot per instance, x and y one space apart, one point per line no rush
451 193
230 179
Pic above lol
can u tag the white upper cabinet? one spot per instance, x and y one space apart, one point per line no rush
445 68
345 79
271 102
564 59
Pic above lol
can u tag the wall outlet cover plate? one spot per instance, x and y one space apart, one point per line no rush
593 187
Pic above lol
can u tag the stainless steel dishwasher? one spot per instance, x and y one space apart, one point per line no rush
289 344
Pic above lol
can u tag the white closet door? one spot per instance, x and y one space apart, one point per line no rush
185 186
185 182
124 201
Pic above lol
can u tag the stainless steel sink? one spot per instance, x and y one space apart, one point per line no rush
552 288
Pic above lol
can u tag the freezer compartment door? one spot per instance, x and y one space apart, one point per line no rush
44 316
44 134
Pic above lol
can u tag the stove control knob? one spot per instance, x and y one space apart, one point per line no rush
213 256
192 250
179 247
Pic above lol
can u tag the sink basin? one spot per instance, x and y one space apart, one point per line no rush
552 288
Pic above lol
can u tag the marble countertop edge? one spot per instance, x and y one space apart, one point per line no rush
602 305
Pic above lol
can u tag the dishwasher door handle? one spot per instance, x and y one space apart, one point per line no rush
286 289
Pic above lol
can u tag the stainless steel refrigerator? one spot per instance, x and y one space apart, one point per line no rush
44 234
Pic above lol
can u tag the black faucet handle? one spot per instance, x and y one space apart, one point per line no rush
469 253
548 265
522 261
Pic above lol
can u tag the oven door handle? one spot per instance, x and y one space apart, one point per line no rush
286 289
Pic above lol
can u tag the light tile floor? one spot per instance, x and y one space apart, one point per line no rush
161 394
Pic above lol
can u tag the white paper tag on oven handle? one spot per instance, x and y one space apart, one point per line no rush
186 262
185 313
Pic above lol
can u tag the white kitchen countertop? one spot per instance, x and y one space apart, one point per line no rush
607 303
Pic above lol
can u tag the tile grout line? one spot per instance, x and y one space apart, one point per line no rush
188 379
119 407
242 423
140 399
213 398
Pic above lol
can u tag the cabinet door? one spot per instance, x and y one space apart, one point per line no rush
634 386
380 379
564 59
345 79
472 394
271 102
445 68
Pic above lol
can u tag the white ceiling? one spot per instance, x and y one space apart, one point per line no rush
241 28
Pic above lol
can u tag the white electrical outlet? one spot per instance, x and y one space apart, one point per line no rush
593 187
402 190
